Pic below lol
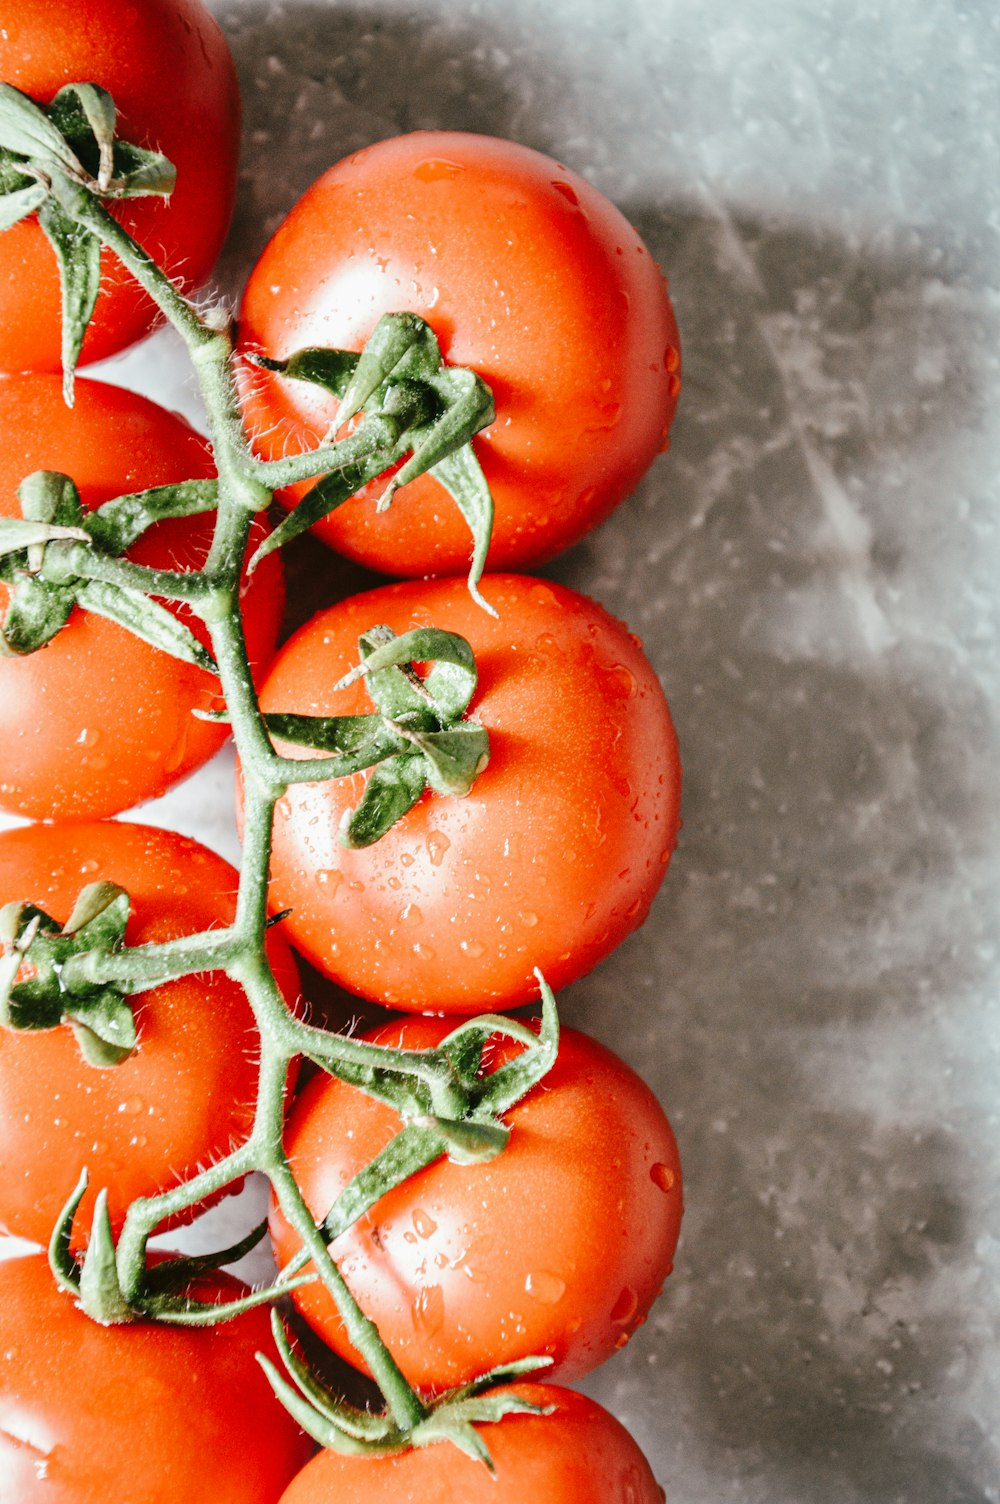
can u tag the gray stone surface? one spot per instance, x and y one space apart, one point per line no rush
813 568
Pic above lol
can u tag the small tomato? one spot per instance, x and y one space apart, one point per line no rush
556 1248
528 275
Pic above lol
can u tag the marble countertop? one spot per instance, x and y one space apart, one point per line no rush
813 569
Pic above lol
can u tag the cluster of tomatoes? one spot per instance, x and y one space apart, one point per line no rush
559 1246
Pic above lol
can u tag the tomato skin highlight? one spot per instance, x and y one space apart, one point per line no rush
188 1089
578 1454
529 276
168 68
550 861
154 1414
556 1248
97 720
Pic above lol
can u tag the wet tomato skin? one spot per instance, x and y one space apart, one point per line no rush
97 720
556 1248
550 861
187 1091
168 68
529 276
156 1414
575 1454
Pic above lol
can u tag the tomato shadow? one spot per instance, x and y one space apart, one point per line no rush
806 995
811 994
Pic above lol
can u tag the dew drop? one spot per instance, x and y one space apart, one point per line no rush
411 914
625 1306
131 1106
427 1310
473 948
424 1223
529 919
437 845
672 358
546 1287
567 192
331 878
673 386
662 1176
88 737
436 169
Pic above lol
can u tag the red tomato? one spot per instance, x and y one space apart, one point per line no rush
97 720
557 1248
528 275
168 68
577 1455
186 1092
150 1414
552 858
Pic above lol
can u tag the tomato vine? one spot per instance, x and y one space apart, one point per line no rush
402 410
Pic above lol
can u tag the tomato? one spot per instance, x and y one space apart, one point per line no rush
578 1454
528 275
186 1092
168 68
150 1414
552 858
557 1248
97 720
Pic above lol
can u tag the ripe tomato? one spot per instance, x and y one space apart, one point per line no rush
152 1414
185 1093
168 68
528 275
558 1247
578 1454
97 720
552 858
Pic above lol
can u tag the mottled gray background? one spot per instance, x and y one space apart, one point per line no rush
813 568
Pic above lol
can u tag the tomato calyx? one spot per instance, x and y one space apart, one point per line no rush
59 555
451 1416
50 155
415 739
96 1279
455 1109
399 396
36 991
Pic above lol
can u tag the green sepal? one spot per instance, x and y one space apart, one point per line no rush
453 759
505 1086
62 1262
27 131
330 369
18 205
35 613
100 1292
461 475
358 740
145 618
104 1028
448 686
468 1142
322 499
392 790
85 115
101 1020
78 254
49 496
364 1425
172 1275
18 534
402 345
117 524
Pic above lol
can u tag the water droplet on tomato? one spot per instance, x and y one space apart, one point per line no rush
473 948
424 1223
411 914
546 1287
330 877
437 169
427 1310
662 1176
568 193
625 1306
437 845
